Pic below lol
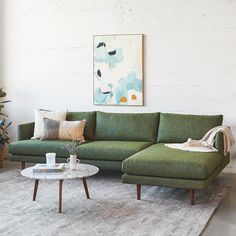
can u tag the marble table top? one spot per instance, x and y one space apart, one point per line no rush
82 170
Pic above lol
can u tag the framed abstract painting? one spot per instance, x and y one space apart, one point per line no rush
118 69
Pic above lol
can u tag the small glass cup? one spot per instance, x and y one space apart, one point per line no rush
51 159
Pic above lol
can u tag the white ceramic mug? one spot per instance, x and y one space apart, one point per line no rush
51 159
73 161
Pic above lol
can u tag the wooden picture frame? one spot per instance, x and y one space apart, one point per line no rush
118 72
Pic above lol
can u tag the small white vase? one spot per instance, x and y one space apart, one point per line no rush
73 161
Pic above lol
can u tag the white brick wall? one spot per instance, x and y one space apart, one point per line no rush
190 54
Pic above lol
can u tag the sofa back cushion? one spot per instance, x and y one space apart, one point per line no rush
127 126
177 128
90 118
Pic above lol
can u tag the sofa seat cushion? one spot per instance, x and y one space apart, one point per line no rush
38 148
111 150
161 161
97 150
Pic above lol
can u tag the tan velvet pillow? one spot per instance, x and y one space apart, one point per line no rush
63 130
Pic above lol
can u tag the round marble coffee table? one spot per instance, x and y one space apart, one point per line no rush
82 172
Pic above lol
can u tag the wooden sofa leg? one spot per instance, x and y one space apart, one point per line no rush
138 191
22 165
191 196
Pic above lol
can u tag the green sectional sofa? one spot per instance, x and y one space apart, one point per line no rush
134 143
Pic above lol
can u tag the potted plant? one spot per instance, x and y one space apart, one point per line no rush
72 149
3 127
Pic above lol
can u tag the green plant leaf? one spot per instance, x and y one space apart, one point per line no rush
6 101
2 93
2 114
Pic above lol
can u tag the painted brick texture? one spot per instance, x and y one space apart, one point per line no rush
190 54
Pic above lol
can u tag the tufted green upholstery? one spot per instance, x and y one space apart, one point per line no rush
131 139
159 160
177 128
219 142
90 118
109 165
97 150
174 182
38 148
111 150
25 131
127 126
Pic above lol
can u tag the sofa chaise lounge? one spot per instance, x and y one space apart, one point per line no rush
134 143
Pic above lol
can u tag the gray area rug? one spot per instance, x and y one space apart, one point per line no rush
112 209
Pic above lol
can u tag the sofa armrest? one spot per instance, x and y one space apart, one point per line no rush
25 131
219 142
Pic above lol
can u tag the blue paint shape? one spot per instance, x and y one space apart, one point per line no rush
130 82
101 98
102 56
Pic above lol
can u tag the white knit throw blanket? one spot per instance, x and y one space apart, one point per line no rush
206 144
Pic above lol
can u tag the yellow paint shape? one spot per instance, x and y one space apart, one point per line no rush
134 97
123 99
